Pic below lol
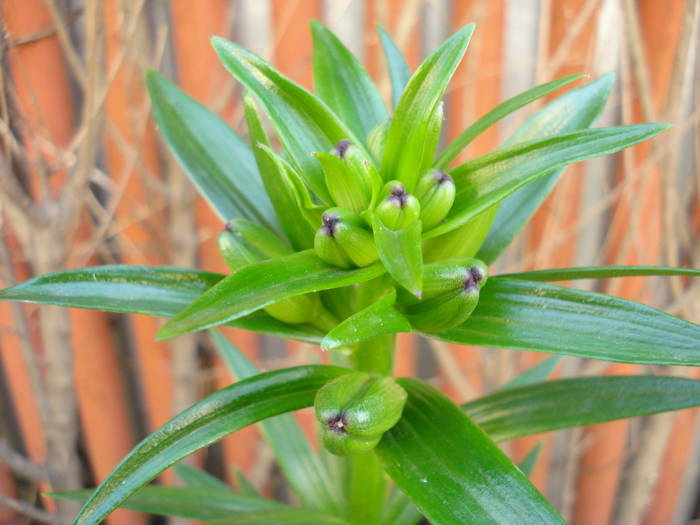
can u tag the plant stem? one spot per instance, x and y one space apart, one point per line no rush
375 355
367 489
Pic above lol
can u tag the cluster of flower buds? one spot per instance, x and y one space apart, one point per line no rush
243 243
450 295
436 193
356 409
398 209
344 240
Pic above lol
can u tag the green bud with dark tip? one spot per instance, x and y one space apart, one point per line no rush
376 140
356 409
344 240
436 193
450 295
398 209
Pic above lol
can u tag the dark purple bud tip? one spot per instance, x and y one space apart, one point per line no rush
337 424
228 227
441 177
341 148
398 195
330 223
476 273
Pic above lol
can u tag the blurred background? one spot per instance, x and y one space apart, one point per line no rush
85 180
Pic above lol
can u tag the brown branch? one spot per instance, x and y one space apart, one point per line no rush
59 23
29 510
21 465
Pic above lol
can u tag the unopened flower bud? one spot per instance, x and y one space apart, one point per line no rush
436 193
376 140
450 295
343 240
351 178
398 209
356 409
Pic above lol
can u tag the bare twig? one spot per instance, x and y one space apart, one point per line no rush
21 465
29 510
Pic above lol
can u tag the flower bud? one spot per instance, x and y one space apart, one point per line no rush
344 241
356 409
436 193
450 295
376 140
351 178
398 209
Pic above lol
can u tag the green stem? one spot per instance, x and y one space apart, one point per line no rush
375 355
367 490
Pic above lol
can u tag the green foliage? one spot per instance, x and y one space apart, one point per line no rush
355 230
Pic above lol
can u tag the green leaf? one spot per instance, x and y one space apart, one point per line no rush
400 510
303 122
599 272
405 144
148 290
577 109
244 485
286 516
304 471
198 479
342 83
540 372
255 287
379 318
525 315
216 160
305 216
452 470
399 73
401 253
504 109
487 180
276 182
527 465
193 503
568 403
206 422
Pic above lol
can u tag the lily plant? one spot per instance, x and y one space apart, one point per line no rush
345 228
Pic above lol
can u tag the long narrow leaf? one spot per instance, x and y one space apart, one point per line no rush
406 139
452 470
400 252
569 403
255 287
527 465
575 110
208 421
598 272
198 479
526 315
287 516
187 502
501 111
399 73
217 160
303 469
379 318
540 372
487 180
303 122
148 290
343 84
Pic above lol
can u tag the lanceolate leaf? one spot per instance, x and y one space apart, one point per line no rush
540 372
400 251
193 503
527 315
568 403
303 469
452 470
147 290
527 465
487 180
257 286
217 160
379 318
198 479
343 84
284 516
599 272
575 110
208 421
277 184
504 109
303 123
404 153
396 64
